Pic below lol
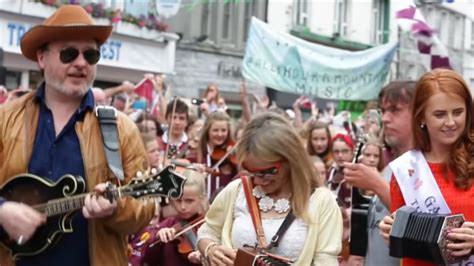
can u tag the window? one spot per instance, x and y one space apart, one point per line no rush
443 28
301 12
205 18
341 13
249 11
457 32
472 37
378 22
226 20
208 20
137 7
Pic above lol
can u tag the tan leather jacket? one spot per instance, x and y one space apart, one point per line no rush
107 237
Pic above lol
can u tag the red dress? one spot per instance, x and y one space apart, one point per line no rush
459 200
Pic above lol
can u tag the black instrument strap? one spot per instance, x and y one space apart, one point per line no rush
281 231
108 126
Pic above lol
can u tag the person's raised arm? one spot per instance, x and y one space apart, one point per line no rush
244 100
126 86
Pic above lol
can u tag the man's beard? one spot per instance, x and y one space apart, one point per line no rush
395 144
58 86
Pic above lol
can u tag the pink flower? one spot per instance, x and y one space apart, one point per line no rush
89 9
141 23
117 16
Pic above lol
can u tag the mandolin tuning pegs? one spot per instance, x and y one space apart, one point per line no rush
139 174
154 171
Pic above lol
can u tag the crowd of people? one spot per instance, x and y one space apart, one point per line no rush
271 182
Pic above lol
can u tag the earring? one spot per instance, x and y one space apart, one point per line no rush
422 125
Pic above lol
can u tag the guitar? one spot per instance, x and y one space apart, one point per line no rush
359 212
58 200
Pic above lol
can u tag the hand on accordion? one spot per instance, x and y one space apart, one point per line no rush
221 255
385 226
463 239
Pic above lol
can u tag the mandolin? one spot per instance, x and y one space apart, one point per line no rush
58 200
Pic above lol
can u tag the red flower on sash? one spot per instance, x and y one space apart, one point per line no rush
418 183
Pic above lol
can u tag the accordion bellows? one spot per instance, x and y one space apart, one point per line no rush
423 235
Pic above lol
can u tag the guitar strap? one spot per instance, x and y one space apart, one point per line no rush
257 222
107 116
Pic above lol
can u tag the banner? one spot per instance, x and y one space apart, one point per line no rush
286 63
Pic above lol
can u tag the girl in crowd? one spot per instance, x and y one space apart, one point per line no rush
283 181
215 142
212 100
319 136
342 149
158 246
372 153
152 150
442 158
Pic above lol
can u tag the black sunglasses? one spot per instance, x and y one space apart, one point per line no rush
70 54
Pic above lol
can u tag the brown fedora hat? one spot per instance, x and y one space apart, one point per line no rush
68 22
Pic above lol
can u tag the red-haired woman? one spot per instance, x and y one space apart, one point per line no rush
442 159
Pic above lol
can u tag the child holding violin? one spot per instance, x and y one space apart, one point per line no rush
174 142
215 154
173 241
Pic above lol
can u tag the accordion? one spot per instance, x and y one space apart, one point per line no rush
250 256
423 235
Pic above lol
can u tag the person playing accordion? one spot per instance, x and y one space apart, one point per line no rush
279 182
437 175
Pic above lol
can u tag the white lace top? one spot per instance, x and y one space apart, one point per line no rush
243 232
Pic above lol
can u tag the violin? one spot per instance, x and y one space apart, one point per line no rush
225 152
185 237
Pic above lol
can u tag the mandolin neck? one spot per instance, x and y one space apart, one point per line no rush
65 205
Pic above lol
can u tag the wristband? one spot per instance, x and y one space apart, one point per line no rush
208 247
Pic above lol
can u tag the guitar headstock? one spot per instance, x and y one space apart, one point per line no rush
166 183
361 141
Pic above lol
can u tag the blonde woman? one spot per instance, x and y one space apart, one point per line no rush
269 153
215 141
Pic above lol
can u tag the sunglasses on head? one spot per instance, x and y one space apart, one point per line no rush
266 173
70 54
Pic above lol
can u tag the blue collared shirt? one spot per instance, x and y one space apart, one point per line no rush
52 158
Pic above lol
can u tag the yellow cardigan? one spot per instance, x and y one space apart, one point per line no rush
322 244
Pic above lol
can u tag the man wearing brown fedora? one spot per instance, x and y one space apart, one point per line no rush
53 131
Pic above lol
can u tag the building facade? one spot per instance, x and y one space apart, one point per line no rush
212 45
357 25
129 53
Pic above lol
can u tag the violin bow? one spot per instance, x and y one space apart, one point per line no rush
165 159
184 230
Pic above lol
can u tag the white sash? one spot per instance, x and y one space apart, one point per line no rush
417 183
419 187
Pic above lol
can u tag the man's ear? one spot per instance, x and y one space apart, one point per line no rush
40 58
